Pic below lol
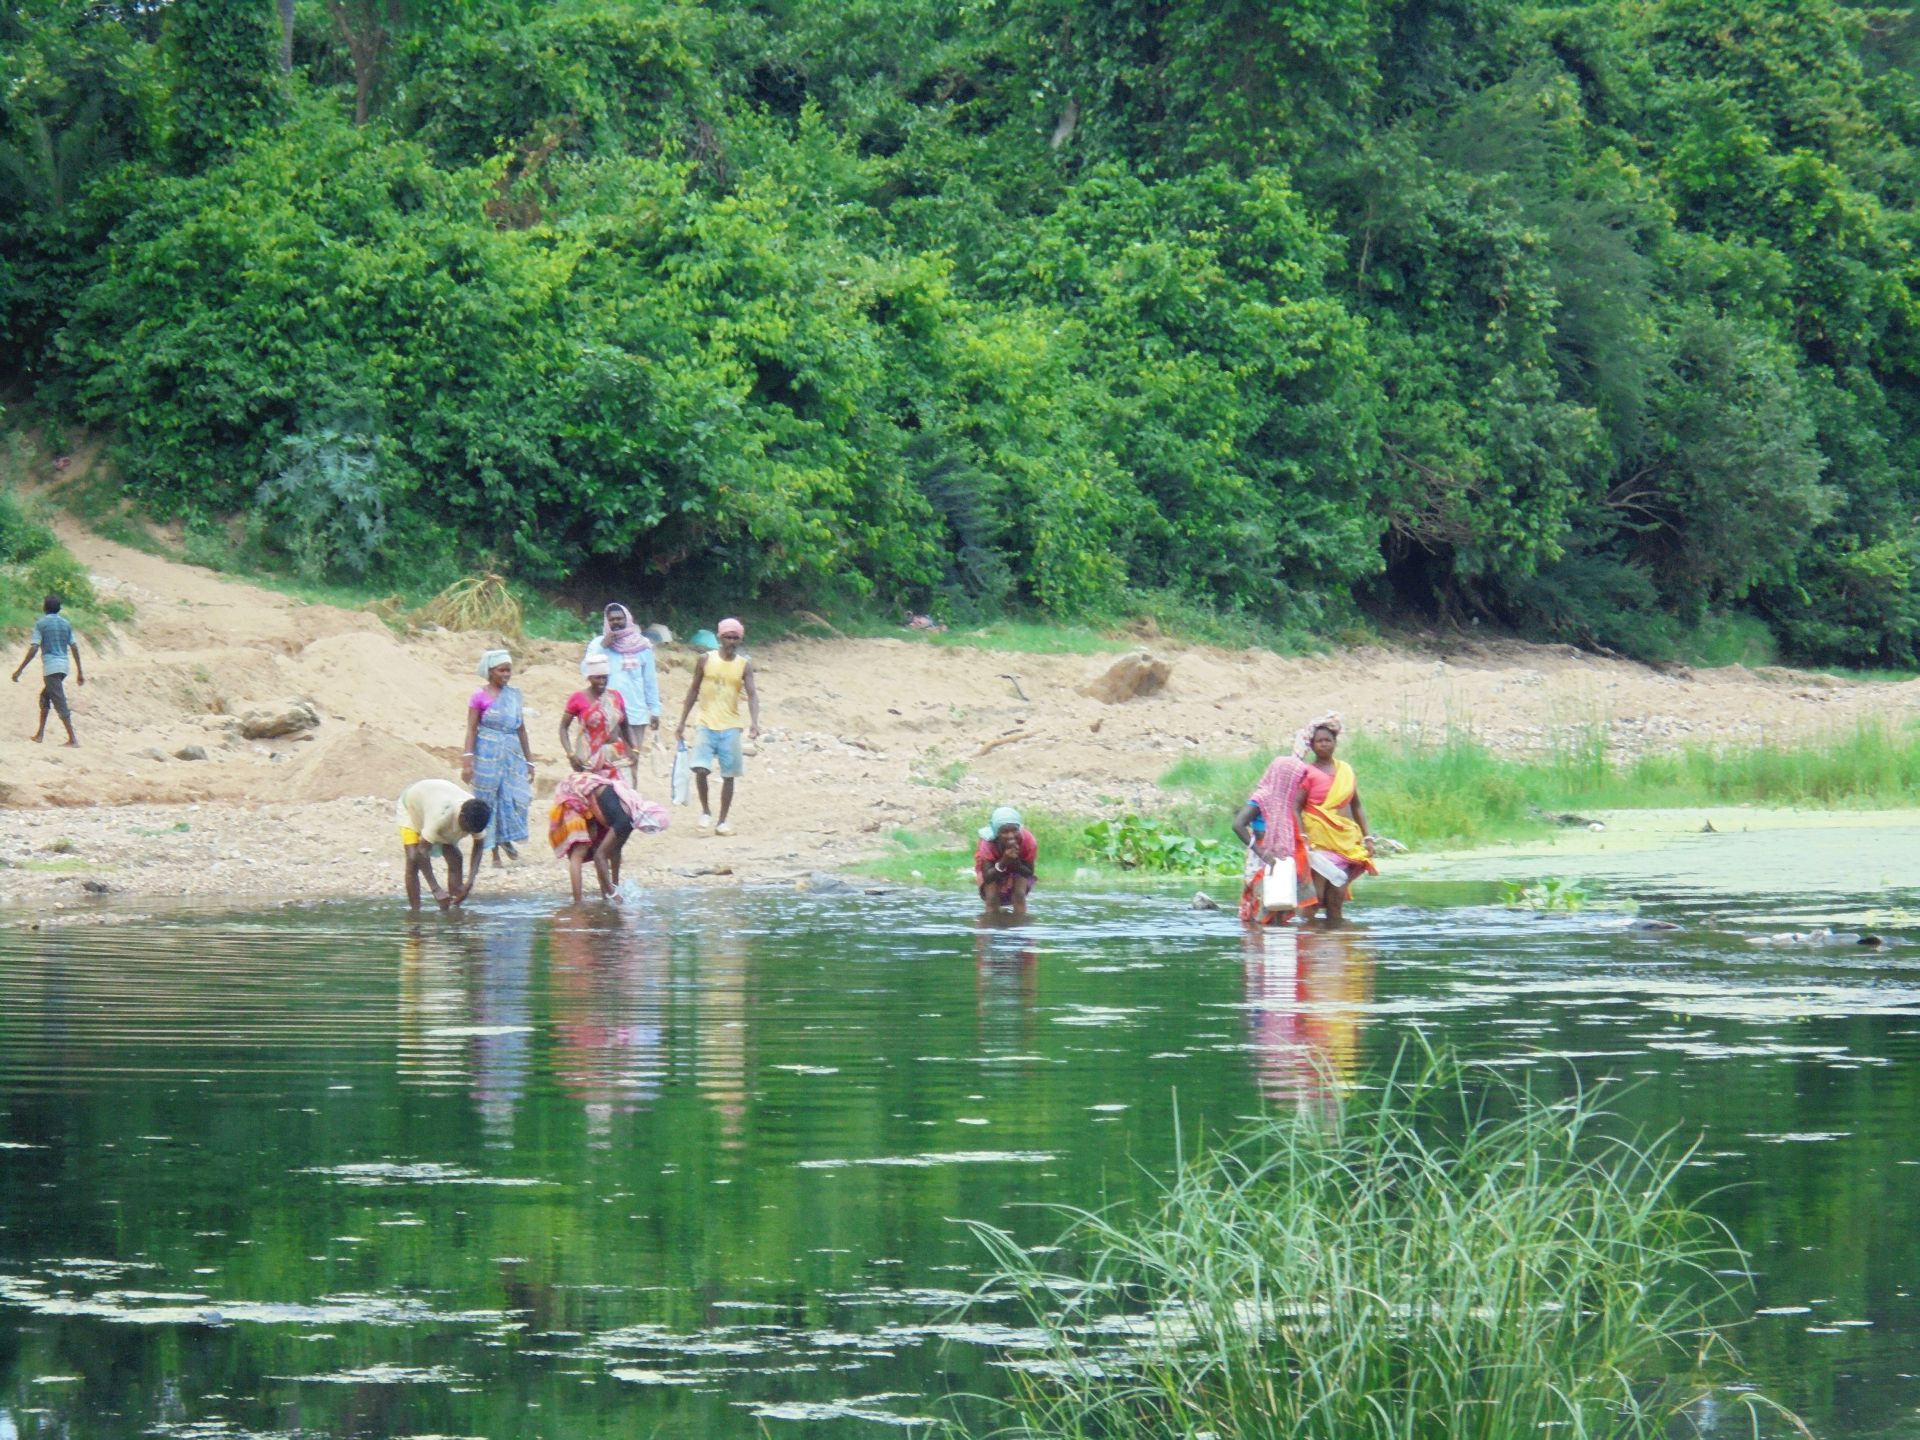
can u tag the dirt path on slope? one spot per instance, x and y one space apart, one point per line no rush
863 737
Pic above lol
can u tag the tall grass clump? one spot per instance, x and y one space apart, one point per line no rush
1435 1260
1455 789
1449 790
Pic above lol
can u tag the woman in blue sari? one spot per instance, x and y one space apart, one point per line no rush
497 763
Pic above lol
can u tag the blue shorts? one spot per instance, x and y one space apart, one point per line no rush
718 750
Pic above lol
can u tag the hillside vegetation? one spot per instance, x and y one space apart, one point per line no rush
1595 320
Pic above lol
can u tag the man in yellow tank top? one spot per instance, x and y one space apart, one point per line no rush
719 680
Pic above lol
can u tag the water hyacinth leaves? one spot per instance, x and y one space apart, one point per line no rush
1138 842
1449 1255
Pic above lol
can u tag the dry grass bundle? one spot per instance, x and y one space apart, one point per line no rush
479 602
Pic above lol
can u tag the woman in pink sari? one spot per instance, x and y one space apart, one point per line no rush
1268 825
594 809
594 812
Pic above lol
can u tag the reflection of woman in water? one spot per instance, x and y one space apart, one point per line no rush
1006 981
1305 996
1339 847
501 965
605 994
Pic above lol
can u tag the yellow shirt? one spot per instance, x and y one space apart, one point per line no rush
720 690
431 810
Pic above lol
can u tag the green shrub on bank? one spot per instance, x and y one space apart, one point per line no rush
1446 1255
34 564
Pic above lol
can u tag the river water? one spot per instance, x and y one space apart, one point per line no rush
695 1167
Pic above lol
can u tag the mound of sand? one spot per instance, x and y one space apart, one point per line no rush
343 763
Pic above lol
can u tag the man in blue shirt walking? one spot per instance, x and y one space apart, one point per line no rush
59 651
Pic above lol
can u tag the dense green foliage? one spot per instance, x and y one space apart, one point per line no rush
34 564
1599 321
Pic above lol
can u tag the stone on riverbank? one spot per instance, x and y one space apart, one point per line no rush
270 722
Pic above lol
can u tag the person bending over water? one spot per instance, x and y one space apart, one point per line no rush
439 812
591 819
594 813
1004 862
1330 815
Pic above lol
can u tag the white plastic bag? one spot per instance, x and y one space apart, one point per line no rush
682 790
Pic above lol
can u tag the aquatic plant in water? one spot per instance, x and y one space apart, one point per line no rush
1548 893
1449 1256
1138 842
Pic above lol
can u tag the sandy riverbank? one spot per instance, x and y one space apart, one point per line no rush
864 737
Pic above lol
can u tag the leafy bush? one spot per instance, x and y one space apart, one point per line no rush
326 507
22 538
57 572
1136 842
34 564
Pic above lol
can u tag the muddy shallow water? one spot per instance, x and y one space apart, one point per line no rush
695 1168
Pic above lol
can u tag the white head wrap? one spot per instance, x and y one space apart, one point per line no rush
596 664
493 658
1001 818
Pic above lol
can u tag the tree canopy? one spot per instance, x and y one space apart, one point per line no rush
1592 320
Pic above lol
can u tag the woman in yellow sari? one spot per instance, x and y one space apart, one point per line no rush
1334 822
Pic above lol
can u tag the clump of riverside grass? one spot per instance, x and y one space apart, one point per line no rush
1454 789
1433 1260
478 602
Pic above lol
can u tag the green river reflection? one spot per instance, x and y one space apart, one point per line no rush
693 1168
